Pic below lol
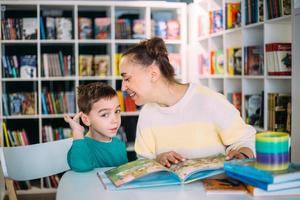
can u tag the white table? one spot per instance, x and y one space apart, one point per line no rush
73 186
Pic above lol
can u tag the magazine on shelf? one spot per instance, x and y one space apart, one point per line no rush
148 173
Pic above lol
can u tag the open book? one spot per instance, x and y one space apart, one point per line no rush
147 173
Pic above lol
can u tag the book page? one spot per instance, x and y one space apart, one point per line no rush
133 170
187 167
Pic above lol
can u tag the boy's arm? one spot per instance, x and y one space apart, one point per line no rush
80 158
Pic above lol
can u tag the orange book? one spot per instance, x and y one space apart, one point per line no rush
223 186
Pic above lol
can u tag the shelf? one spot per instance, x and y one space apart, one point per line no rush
19 79
94 41
18 41
254 25
61 78
57 41
130 113
284 19
21 117
279 77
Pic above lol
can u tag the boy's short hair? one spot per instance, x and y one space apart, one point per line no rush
91 93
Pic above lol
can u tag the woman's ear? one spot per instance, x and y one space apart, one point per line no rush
154 72
85 119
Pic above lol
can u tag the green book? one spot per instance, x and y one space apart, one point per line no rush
149 173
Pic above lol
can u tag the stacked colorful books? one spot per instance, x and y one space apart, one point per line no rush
274 183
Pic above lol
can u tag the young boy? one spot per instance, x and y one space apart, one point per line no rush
100 111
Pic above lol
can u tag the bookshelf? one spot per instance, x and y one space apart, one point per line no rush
249 31
59 38
295 84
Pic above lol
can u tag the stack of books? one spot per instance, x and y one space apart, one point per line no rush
265 183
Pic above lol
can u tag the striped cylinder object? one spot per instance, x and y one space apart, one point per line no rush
272 151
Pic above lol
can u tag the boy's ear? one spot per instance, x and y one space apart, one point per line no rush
85 119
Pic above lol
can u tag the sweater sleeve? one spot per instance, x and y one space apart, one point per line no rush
80 158
144 142
233 131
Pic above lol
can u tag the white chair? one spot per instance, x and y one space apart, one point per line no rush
24 163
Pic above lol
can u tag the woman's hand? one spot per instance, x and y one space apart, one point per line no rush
168 158
242 153
77 129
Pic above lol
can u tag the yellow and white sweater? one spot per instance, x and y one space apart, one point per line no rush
201 123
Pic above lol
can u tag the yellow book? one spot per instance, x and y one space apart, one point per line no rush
121 100
5 134
117 62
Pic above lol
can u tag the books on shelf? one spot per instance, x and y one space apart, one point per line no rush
126 103
217 62
203 64
57 64
279 58
233 15
234 61
94 65
19 28
223 186
236 99
278 8
19 66
50 133
138 29
85 28
215 21
253 60
254 11
14 138
175 60
167 29
60 28
278 112
148 173
22 103
254 109
102 27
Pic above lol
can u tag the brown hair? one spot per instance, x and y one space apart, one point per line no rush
91 93
153 50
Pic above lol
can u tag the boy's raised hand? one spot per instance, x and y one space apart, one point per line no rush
77 129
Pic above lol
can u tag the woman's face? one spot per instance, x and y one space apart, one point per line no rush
136 80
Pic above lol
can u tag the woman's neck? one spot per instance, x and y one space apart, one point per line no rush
169 94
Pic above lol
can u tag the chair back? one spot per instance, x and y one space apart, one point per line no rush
35 161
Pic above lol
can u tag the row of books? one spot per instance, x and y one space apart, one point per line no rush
126 103
59 28
278 8
130 28
19 66
58 102
279 58
233 15
15 137
51 181
277 183
94 28
50 134
22 103
166 29
94 65
279 112
57 64
19 28
254 11
235 98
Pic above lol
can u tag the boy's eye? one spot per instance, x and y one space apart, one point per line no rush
118 111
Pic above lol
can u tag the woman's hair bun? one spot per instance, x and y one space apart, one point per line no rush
156 48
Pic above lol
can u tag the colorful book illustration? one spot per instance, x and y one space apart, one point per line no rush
246 168
223 186
147 173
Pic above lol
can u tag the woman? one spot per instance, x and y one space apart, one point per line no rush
177 120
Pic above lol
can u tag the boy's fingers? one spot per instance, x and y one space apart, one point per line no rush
66 118
77 116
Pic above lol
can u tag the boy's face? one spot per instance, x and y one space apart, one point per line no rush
104 119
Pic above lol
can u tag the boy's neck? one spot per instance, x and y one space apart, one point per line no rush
98 137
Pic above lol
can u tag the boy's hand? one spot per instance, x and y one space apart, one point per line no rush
77 129
169 158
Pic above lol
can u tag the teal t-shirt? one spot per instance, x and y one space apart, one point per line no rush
88 153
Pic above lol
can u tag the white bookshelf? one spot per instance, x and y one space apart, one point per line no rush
261 33
146 10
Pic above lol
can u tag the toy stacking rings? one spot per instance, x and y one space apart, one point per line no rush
272 151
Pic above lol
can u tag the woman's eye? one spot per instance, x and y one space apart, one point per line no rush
105 115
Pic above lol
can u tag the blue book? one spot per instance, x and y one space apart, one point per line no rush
264 185
149 173
247 168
